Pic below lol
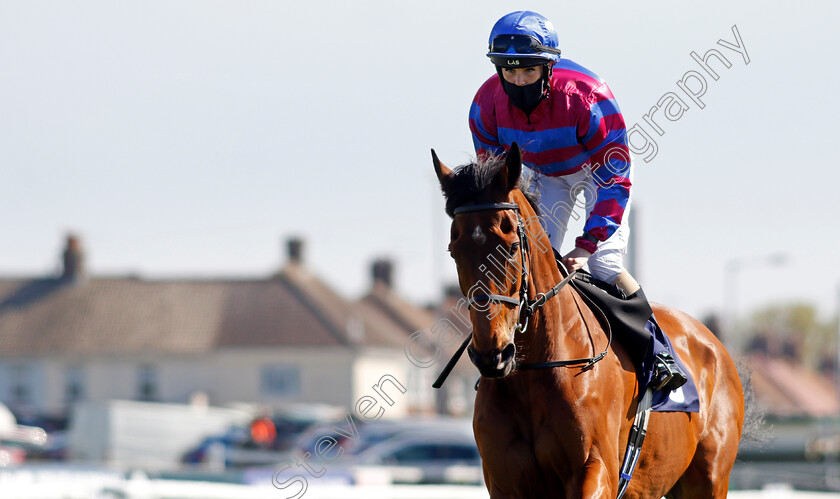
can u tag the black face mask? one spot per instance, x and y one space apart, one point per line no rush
526 97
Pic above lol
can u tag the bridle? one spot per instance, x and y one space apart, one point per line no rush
525 306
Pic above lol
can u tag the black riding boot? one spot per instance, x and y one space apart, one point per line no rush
667 375
628 316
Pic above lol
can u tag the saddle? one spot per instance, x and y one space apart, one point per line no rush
631 318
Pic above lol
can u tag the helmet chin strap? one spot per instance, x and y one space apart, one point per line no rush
546 78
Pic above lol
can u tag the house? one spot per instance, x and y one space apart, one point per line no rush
784 389
288 338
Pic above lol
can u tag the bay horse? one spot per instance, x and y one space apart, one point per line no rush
561 432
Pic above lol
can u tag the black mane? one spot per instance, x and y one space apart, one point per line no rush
469 183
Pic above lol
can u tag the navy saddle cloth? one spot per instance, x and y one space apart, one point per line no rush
632 323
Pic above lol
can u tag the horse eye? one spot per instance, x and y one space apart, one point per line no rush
513 248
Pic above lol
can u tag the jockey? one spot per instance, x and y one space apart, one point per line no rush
572 136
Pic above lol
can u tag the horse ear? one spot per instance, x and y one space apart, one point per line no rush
441 170
513 164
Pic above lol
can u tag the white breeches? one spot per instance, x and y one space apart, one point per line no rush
559 201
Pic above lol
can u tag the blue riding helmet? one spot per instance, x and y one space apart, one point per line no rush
523 38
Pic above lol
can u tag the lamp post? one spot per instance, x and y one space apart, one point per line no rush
733 339
837 353
835 476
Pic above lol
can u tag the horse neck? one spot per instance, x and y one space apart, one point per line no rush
549 338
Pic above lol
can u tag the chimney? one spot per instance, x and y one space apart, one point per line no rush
73 259
382 271
294 248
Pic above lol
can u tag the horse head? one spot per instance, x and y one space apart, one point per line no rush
489 247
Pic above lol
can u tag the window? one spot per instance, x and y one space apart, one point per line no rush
459 452
280 381
414 453
147 383
74 384
21 377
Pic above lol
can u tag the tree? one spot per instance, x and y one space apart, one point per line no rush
794 330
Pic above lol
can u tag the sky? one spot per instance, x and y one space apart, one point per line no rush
190 139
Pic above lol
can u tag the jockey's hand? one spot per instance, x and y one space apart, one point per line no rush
575 259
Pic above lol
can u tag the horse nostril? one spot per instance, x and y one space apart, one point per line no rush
508 353
496 358
494 363
473 355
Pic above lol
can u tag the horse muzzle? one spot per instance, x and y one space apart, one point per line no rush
495 364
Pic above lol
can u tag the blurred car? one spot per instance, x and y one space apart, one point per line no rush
54 449
21 444
430 457
11 456
369 434
267 440
204 452
37 444
425 450
43 436
18 441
